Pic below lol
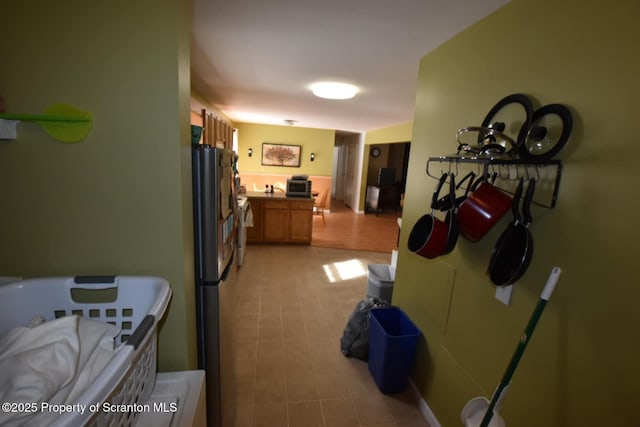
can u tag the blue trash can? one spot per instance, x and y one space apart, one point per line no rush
393 339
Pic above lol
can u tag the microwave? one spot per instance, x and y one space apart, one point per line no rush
298 188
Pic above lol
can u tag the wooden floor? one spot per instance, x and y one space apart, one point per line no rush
345 229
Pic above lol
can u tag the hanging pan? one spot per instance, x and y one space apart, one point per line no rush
429 236
479 412
482 209
512 253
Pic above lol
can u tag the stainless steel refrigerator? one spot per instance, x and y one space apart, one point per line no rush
214 208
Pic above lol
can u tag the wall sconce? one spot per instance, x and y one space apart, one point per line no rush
312 156
250 152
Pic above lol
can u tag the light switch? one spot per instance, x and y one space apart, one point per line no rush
503 294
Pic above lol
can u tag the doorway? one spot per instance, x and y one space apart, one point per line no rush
345 226
386 176
346 168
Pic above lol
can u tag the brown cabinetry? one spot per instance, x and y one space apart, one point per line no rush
300 221
279 219
276 221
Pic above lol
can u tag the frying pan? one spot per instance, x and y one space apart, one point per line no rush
512 253
429 235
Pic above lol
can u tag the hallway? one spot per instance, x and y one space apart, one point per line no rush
345 229
292 306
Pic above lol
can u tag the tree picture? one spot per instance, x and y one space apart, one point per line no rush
281 155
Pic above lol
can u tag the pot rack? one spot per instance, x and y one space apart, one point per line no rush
507 171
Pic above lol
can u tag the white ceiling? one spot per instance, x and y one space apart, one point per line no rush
254 60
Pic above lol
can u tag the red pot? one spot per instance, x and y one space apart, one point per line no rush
429 236
484 207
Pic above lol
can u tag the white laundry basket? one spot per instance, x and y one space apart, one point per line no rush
134 304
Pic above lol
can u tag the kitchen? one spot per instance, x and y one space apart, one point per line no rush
120 201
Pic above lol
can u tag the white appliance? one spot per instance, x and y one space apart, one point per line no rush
178 399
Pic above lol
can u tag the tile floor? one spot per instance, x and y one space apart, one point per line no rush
293 304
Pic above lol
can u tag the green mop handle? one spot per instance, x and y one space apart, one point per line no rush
43 118
526 336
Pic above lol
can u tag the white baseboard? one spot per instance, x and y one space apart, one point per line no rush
424 408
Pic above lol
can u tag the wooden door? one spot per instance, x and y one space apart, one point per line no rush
275 224
350 176
301 223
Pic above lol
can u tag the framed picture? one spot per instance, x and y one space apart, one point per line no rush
281 155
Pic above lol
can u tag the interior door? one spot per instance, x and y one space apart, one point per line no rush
339 173
350 174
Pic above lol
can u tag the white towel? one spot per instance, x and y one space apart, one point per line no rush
96 349
53 361
36 362
248 219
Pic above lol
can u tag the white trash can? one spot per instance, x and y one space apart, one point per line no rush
380 281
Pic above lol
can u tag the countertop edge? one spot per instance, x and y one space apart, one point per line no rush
273 196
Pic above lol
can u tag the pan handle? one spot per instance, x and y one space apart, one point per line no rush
477 182
446 202
471 176
515 207
526 205
434 199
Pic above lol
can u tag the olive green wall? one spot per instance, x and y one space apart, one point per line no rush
397 133
318 141
581 367
118 202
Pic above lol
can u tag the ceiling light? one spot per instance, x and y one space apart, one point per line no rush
333 90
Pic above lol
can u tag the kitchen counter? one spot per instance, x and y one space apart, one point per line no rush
278 218
275 195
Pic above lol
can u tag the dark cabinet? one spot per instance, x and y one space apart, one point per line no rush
381 198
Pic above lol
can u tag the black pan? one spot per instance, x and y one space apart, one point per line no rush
513 251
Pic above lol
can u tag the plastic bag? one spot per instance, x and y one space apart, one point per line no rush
355 339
